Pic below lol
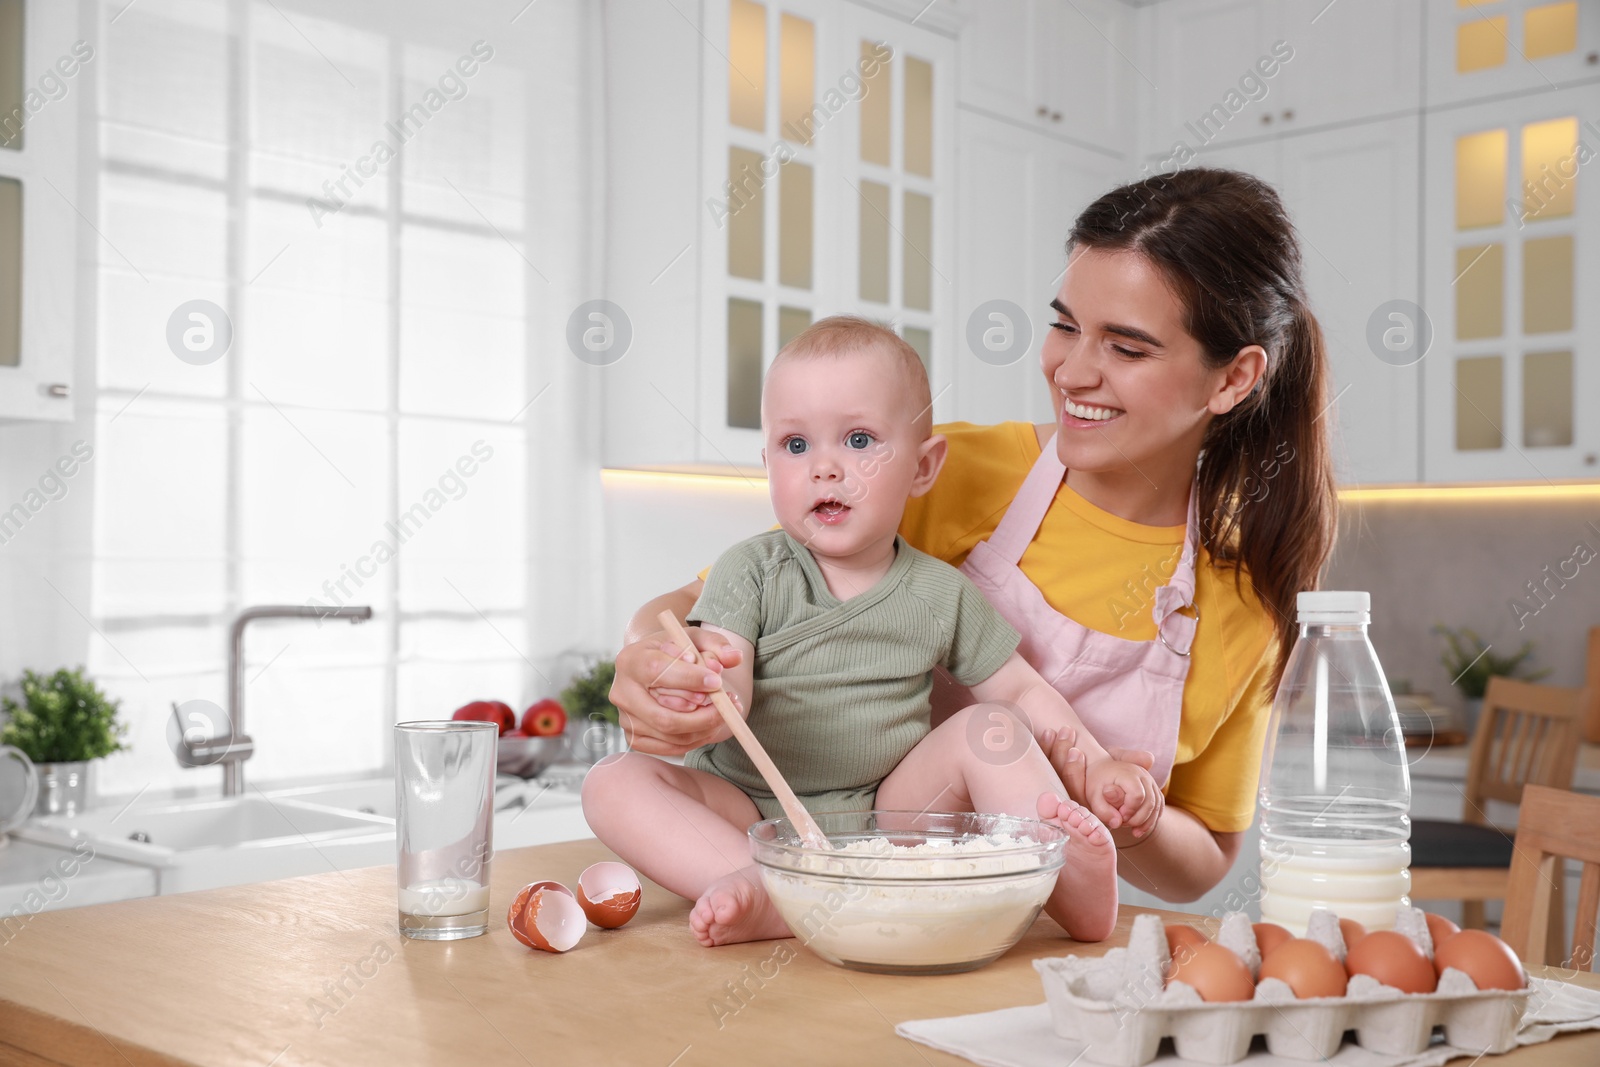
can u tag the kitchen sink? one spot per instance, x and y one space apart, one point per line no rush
284 833
225 841
527 811
375 796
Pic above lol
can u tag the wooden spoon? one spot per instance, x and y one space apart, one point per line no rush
811 834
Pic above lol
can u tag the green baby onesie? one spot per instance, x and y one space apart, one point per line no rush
841 687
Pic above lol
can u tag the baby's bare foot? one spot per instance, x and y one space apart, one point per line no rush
736 908
1084 900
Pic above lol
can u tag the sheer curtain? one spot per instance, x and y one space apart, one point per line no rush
393 207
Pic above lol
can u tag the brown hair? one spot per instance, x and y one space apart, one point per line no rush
844 335
1226 247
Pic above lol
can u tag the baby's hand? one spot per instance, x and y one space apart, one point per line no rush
1123 794
717 653
1068 761
687 700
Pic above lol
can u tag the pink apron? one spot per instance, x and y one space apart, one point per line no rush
1128 693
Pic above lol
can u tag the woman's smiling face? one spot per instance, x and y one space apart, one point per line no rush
1128 384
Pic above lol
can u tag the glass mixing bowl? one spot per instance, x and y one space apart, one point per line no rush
905 892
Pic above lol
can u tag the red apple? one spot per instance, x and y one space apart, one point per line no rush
544 718
495 711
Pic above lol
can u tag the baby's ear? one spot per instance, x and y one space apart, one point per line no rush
930 460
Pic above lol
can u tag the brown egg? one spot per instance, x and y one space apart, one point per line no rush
1486 959
1352 931
546 918
1308 968
1215 973
1182 935
1269 936
1440 928
1393 959
609 893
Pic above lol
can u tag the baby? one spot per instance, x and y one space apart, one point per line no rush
839 624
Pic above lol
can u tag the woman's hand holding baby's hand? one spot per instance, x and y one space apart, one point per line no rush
1120 791
1124 796
663 696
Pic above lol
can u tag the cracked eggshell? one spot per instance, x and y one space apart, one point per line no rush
549 918
609 893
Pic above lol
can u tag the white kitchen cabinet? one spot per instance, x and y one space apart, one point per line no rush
1354 60
39 209
1018 195
1230 70
1484 50
1511 244
1064 69
1351 192
821 181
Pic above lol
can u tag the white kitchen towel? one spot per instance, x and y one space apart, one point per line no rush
1024 1037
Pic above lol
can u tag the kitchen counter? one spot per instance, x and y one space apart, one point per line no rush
35 878
311 971
1449 763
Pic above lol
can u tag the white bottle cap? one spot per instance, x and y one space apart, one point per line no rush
1324 608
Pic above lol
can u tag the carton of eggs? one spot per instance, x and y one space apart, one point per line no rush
549 916
1392 987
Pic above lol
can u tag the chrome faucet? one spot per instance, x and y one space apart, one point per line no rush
232 750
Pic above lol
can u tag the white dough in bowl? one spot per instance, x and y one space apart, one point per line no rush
960 901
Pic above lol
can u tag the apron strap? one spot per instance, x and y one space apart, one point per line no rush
1027 509
1176 630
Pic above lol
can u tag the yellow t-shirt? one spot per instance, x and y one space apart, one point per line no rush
1101 571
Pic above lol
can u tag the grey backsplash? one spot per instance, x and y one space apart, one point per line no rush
1469 563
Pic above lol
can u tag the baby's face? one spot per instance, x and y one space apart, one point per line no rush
842 451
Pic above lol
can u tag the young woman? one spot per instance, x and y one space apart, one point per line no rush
1149 542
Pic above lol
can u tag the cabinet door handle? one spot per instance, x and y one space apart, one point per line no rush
1055 116
1288 113
1266 120
1043 110
58 389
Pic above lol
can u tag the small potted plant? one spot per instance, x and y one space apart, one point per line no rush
592 716
1472 663
63 723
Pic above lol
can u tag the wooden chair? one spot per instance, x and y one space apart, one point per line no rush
1591 688
1553 825
1527 734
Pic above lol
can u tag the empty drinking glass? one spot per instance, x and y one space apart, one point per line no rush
444 821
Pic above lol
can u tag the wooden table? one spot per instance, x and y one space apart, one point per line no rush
311 971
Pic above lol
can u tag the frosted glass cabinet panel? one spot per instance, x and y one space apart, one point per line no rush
747 64
10 272
1514 359
1486 48
835 139
874 260
41 96
11 72
798 70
